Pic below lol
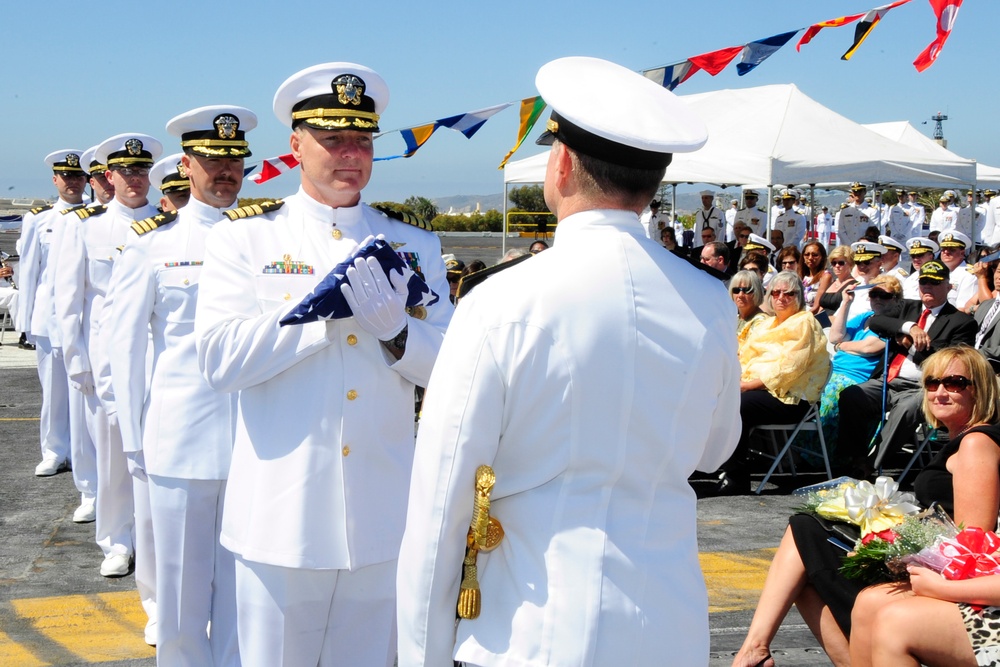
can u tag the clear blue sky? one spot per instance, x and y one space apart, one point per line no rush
74 74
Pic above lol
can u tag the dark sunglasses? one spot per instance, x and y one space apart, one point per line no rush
837 262
741 290
863 263
929 282
952 383
879 294
789 262
787 294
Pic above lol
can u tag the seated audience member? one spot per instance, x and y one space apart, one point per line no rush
748 293
842 268
707 235
668 237
858 349
785 365
920 329
716 255
758 244
741 235
479 265
963 478
538 246
789 259
960 395
867 258
871 234
964 284
816 279
984 275
921 250
988 315
454 267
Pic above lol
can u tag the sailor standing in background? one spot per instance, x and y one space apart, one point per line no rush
754 216
88 251
41 232
169 176
707 216
547 375
316 497
790 222
178 430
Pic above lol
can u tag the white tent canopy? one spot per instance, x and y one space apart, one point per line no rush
903 132
777 135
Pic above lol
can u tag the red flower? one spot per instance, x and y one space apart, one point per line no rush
886 535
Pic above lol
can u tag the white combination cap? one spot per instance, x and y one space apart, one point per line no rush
613 114
66 161
214 131
128 149
333 96
169 175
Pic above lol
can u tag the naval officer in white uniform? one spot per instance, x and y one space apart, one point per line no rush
316 497
40 234
556 373
178 429
88 250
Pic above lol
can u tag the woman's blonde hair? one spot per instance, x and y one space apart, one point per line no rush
842 252
986 395
889 284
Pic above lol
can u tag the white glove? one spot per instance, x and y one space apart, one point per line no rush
378 303
136 465
83 382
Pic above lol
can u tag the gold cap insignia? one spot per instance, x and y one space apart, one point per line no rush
227 125
181 169
134 147
72 160
349 89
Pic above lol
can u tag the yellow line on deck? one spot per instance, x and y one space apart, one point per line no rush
107 627
19 419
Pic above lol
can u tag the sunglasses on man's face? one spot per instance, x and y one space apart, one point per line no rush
952 383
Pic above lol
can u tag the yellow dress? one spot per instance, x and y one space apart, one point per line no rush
746 327
790 358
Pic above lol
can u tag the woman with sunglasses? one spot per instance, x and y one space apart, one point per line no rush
785 365
748 293
789 259
960 395
842 268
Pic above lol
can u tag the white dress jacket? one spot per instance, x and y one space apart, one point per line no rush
324 436
594 378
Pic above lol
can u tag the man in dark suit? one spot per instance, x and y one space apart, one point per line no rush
741 232
987 318
919 330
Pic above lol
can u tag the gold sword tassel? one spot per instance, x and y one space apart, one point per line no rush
485 534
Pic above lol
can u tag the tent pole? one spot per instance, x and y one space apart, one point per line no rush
811 220
673 211
503 240
770 206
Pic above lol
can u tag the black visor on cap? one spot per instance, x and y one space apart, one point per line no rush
588 143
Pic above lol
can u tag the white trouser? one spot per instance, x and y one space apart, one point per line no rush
54 427
145 549
83 453
8 301
195 575
291 617
115 512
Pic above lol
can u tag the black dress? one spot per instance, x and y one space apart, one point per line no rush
822 559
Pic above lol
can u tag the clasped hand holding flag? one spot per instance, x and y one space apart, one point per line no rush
327 302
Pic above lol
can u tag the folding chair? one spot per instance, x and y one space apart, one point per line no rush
809 422
6 321
931 436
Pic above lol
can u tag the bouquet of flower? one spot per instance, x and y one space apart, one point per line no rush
882 557
970 553
874 508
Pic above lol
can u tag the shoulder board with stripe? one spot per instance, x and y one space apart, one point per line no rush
72 209
140 227
39 209
89 211
254 209
402 216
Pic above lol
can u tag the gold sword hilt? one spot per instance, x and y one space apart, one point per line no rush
485 534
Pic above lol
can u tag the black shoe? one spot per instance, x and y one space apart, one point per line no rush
24 344
730 486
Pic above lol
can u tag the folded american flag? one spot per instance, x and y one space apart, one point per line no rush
326 302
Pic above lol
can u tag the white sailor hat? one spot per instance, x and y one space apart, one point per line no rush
918 245
90 163
890 242
169 175
126 149
707 193
333 96
65 161
611 113
865 250
214 131
954 239
756 242
749 193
